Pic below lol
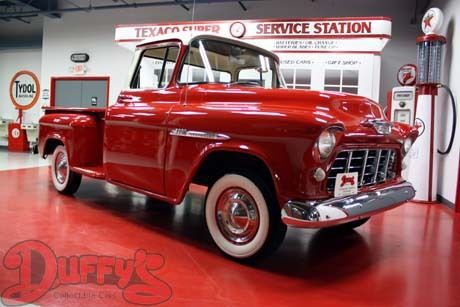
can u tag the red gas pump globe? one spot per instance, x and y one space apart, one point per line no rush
430 49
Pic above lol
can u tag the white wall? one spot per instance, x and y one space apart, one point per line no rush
12 61
93 33
448 168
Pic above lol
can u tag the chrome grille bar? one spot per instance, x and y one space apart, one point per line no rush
386 165
379 152
364 167
347 168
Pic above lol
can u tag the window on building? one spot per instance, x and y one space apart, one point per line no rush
341 80
297 77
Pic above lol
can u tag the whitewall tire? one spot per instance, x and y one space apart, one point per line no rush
64 180
242 216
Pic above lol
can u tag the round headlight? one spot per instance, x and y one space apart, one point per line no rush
407 145
325 144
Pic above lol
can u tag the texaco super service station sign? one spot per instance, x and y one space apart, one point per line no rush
339 54
24 90
341 34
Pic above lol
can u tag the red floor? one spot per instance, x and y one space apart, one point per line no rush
406 257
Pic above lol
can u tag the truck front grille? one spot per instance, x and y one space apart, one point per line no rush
373 166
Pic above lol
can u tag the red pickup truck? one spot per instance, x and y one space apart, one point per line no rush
216 112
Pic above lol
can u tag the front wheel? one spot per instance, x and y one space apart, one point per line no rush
64 180
243 217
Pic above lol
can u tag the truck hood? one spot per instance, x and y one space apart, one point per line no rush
339 106
320 108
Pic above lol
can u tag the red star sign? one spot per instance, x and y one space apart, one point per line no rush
427 21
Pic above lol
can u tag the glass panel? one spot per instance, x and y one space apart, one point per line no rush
332 77
350 77
332 88
193 69
352 90
198 74
288 75
151 67
257 77
225 63
303 76
173 53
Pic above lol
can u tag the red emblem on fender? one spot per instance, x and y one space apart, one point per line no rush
345 180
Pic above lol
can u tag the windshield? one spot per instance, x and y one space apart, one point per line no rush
213 61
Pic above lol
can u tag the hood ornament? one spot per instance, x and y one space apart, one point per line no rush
380 126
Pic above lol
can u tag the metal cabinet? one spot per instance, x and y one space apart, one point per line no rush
84 92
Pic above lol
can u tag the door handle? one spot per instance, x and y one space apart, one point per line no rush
124 98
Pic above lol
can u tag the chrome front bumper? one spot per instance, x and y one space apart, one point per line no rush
334 211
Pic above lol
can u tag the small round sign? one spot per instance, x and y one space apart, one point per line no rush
15 133
237 29
24 90
432 21
407 75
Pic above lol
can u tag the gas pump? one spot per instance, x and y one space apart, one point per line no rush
401 101
423 156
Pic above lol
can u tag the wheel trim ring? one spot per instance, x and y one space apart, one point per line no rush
237 215
61 168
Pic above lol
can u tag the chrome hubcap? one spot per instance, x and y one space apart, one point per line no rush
237 216
61 166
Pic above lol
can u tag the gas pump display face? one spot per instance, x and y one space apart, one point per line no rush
402 113
403 105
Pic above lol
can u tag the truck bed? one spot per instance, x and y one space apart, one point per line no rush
81 131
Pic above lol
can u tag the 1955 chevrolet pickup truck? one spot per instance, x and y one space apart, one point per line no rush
216 112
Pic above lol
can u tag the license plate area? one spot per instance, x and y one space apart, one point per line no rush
346 184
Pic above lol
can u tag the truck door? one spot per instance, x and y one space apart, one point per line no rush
135 130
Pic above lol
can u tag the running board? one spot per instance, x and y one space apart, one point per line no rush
90 171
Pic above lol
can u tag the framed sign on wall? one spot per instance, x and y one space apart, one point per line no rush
24 90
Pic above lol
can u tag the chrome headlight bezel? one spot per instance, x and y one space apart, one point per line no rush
325 144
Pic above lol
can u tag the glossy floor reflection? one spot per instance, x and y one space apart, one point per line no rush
406 257
16 160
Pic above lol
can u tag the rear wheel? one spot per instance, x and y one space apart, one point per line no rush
64 180
243 217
